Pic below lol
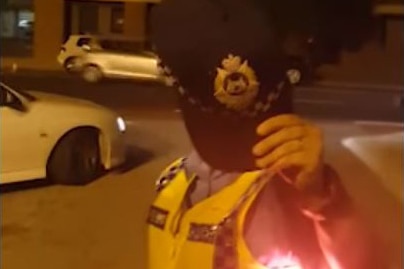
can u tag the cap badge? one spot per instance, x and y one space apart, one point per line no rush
236 84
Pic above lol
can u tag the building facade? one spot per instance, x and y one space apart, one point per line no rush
381 60
32 31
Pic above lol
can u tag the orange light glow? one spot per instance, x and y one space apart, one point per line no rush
283 261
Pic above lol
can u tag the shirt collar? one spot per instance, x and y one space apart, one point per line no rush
194 164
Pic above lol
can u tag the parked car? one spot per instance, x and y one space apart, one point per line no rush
65 139
77 46
96 65
74 48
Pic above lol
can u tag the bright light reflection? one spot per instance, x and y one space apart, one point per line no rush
284 261
121 124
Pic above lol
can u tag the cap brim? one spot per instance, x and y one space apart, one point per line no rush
226 142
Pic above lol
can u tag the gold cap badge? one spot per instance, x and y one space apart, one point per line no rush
236 84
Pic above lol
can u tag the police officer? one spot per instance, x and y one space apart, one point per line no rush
255 192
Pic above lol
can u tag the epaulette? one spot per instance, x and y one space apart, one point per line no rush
169 174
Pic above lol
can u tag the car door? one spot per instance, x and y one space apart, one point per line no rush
134 62
117 64
125 62
142 65
114 59
21 151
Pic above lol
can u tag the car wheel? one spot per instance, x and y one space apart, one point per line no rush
295 75
92 74
76 158
70 64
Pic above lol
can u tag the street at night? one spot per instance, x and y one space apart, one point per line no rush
102 224
199 134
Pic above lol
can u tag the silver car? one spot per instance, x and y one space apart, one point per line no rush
99 64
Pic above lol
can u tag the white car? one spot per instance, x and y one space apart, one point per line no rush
98 64
74 48
66 140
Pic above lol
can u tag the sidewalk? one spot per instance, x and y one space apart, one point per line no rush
356 86
34 73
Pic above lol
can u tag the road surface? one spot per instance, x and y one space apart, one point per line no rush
310 101
101 225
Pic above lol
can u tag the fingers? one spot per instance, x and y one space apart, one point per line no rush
315 132
280 152
278 122
277 139
296 159
292 147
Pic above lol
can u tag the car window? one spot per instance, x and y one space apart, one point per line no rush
125 46
90 42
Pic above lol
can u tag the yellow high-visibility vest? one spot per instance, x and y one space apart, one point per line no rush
189 238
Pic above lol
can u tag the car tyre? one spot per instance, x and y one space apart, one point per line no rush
92 73
76 158
70 64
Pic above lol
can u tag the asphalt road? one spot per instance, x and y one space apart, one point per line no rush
382 105
101 225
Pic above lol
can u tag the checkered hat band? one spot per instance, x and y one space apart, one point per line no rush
253 110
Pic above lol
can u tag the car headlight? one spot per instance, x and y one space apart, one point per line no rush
121 124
